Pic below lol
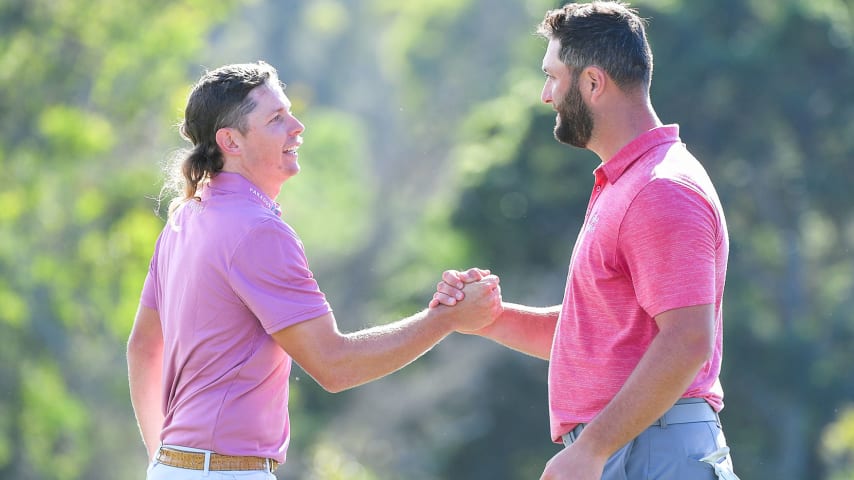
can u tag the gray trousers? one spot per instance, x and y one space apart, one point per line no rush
669 453
693 450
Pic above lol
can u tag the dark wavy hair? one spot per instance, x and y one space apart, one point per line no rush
609 35
219 99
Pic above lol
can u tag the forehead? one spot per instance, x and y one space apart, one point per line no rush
269 97
551 59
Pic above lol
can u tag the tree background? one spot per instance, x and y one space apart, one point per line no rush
426 149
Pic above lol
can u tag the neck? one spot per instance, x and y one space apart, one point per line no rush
268 188
616 126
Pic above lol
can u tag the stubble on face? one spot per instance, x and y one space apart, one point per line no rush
574 123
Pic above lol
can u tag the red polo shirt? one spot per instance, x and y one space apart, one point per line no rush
654 239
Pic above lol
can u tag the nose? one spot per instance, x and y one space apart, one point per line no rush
296 127
546 94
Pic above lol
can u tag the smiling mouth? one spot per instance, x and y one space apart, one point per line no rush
291 150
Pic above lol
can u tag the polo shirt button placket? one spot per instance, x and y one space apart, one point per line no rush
597 189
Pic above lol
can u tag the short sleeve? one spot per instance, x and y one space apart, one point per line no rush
149 296
270 273
669 240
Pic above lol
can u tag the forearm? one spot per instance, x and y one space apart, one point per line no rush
529 330
662 376
375 352
338 362
145 376
341 361
145 363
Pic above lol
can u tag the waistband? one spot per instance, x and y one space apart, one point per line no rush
686 410
210 461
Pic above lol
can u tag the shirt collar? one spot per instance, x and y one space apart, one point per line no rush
614 168
228 182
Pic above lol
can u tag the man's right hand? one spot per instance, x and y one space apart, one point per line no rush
481 306
450 290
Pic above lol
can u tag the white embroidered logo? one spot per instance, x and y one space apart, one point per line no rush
592 221
266 201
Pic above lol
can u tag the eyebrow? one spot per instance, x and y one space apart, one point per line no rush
284 107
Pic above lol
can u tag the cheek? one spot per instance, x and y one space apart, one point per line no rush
559 93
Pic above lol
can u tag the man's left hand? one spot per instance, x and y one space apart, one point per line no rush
572 463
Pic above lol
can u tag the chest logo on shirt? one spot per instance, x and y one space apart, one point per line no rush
592 221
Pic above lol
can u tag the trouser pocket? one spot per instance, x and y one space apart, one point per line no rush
720 461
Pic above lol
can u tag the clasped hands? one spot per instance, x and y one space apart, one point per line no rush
473 297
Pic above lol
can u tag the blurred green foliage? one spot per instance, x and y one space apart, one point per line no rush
336 182
838 445
426 149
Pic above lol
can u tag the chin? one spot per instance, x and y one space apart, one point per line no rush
291 169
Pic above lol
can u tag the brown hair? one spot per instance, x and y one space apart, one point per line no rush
609 35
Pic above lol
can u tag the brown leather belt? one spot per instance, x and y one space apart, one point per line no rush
196 461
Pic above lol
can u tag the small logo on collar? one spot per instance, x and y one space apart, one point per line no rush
273 206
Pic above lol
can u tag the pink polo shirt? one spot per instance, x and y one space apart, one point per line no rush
226 273
654 239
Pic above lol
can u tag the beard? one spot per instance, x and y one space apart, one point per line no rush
574 125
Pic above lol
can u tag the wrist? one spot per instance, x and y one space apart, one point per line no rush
442 317
594 445
490 328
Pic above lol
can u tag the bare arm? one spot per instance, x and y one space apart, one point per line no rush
340 361
529 330
684 343
145 371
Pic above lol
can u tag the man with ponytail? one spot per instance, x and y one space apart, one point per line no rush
229 299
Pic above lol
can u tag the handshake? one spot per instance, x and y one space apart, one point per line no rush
470 300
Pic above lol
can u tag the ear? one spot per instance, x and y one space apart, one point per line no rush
594 82
228 141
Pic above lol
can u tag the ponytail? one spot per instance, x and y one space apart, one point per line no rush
201 163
